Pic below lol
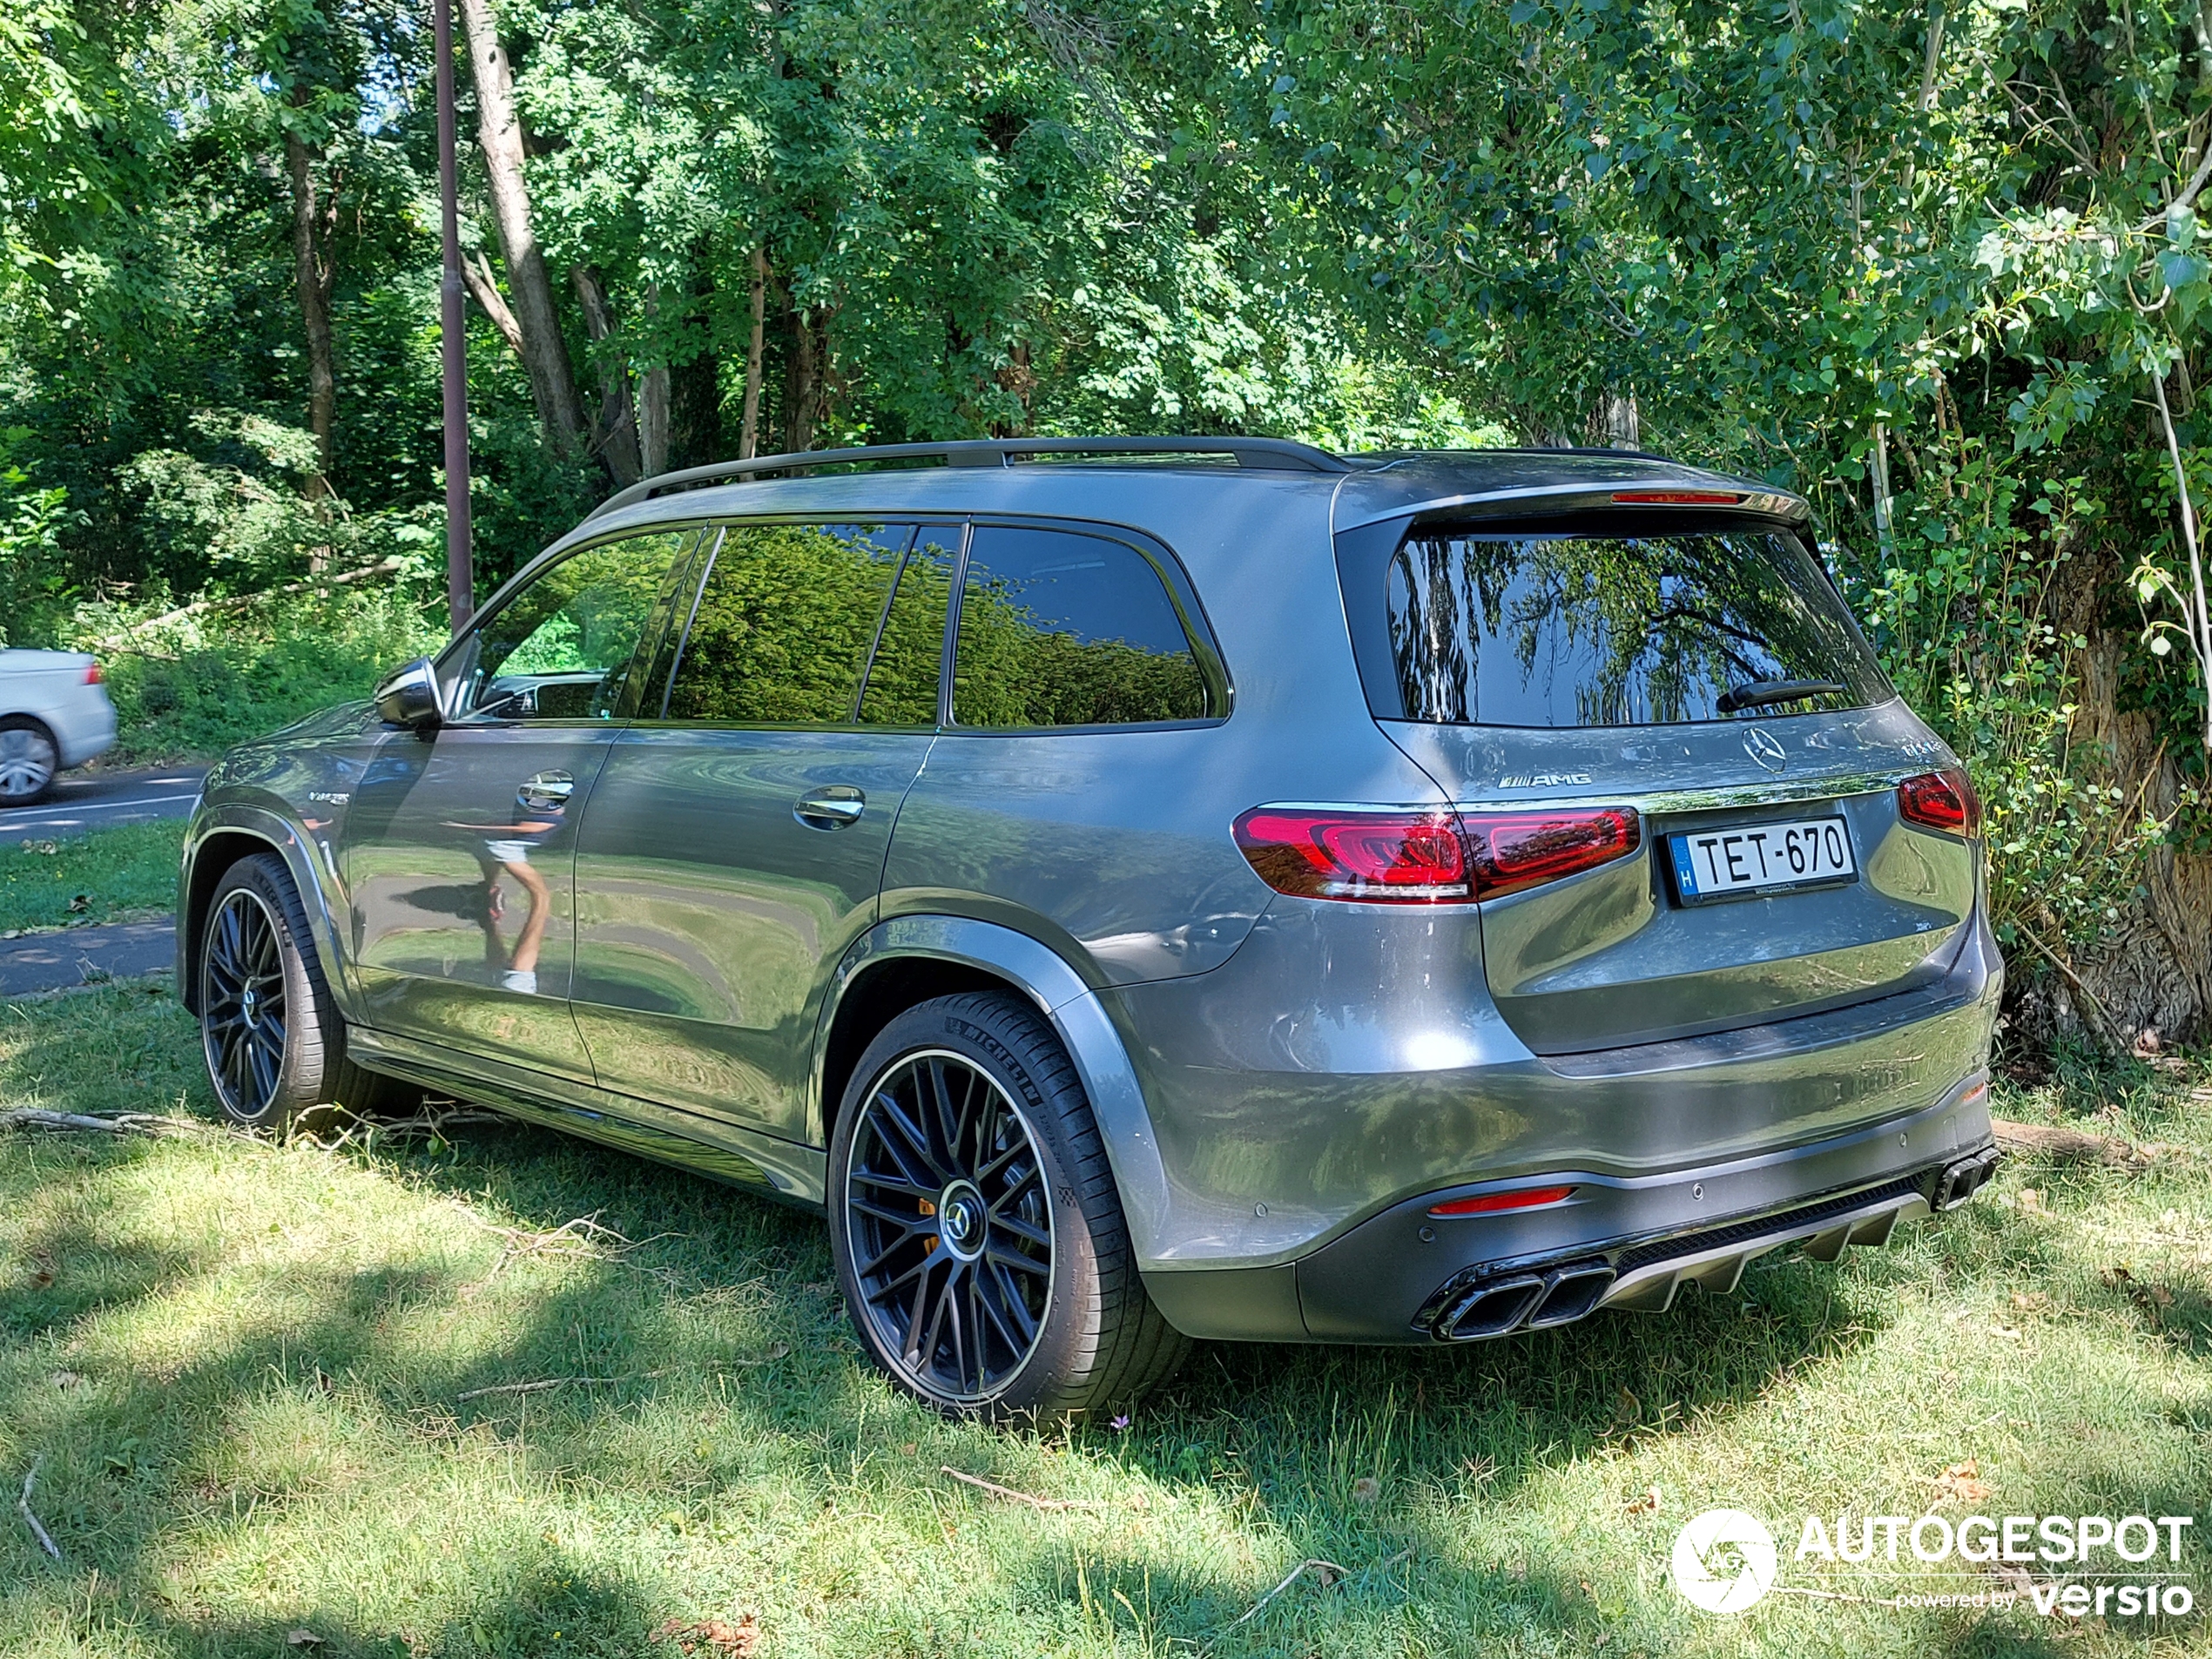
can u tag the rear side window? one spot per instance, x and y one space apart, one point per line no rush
784 622
1588 630
1059 628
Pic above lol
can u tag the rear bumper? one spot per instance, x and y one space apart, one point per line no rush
1404 1276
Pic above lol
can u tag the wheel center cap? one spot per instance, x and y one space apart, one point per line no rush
960 1215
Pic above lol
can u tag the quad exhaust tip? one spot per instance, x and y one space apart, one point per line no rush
1474 1307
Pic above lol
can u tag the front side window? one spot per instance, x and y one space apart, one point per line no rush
564 647
783 624
1594 630
1060 628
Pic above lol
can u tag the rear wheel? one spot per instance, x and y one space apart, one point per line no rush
979 1239
28 761
270 1029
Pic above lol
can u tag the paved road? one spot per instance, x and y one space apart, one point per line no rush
90 800
74 955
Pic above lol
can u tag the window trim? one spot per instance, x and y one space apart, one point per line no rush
1175 582
522 583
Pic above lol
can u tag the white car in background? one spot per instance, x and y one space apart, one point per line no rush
54 714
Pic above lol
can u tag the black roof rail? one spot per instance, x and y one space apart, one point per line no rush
1277 454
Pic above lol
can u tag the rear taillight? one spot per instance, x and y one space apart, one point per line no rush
1512 851
1676 497
1941 800
93 676
1427 857
1372 858
1490 1204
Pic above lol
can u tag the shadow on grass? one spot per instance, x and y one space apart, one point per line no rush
320 1370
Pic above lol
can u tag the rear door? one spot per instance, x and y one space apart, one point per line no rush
1705 673
734 844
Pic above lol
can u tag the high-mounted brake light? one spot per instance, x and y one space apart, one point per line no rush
1511 851
1941 800
1371 858
1676 497
1490 1204
93 676
1433 857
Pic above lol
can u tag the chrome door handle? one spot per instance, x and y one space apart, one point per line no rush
547 791
834 807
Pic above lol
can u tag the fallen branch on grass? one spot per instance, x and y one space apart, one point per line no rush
2053 1140
121 1123
1011 1496
23 1508
1327 1573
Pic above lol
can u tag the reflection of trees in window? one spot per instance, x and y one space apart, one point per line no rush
909 655
1583 630
1036 651
784 625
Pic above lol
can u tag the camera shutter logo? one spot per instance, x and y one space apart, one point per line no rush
1723 1560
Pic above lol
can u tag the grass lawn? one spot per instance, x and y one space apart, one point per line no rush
255 1380
109 875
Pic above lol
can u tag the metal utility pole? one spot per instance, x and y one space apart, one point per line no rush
461 590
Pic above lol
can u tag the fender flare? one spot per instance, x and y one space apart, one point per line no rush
1078 1017
308 876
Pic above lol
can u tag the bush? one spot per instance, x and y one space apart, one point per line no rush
193 685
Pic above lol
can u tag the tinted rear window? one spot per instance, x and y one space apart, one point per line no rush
1587 630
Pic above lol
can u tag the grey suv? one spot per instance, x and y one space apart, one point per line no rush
1151 889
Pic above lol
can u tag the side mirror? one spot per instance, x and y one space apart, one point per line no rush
408 696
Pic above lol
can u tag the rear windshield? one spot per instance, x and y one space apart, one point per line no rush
1581 629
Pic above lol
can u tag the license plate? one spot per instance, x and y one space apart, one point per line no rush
1761 858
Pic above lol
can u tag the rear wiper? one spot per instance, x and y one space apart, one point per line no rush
1762 692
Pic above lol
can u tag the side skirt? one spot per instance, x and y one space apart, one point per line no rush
742 1158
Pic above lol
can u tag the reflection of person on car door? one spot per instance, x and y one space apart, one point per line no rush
540 806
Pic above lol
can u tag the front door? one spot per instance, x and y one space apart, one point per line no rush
733 846
459 844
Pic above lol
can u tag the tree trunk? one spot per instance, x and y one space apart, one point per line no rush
614 432
652 420
1624 423
476 271
802 379
312 271
545 354
749 434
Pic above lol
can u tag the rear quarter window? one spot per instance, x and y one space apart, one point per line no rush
1595 628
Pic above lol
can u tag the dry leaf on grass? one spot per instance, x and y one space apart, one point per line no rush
2153 1300
1962 1483
718 1637
303 1638
1366 1489
1627 1408
1645 1502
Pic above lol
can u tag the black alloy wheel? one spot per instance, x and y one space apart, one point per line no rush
243 1008
950 1227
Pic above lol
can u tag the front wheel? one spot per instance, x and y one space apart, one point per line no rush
979 1241
270 1029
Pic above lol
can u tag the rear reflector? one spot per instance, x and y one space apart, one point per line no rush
1371 858
1941 800
93 676
1676 497
1512 851
1491 1202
